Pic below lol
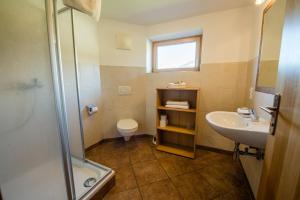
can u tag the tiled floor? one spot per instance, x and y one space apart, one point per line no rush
144 173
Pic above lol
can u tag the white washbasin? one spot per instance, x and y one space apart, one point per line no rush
239 129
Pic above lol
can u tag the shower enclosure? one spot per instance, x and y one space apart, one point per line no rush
41 137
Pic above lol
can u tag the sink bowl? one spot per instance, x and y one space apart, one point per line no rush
239 129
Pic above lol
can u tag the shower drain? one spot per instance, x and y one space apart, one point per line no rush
89 182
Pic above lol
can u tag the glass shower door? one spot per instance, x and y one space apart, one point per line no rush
31 164
88 176
70 83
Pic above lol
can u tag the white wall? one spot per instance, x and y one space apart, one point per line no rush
87 44
225 50
227 37
110 56
226 34
86 33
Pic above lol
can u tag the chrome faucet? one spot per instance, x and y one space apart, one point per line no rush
253 115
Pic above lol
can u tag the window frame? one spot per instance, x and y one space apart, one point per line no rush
156 44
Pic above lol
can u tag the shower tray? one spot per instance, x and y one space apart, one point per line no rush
89 178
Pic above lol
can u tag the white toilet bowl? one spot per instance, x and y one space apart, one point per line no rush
127 128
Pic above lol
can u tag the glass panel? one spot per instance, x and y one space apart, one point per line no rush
84 172
31 163
176 56
80 172
69 76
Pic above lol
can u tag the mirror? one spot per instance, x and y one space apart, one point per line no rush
273 20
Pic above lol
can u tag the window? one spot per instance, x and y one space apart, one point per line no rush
177 55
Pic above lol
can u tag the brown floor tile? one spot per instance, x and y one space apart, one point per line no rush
176 165
146 140
112 159
161 154
235 195
133 194
194 186
206 158
132 143
148 172
161 190
118 145
107 149
125 179
140 153
215 178
139 141
225 177
138 165
91 154
233 172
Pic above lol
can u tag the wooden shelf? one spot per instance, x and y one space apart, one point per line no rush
177 109
176 150
177 130
186 88
173 138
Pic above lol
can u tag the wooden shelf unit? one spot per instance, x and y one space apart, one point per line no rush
176 150
177 130
179 136
176 109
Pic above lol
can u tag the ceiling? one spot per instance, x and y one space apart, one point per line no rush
145 12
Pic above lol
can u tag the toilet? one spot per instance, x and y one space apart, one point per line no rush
127 128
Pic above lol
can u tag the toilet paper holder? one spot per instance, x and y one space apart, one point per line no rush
91 108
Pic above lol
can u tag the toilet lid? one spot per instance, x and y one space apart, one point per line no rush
127 124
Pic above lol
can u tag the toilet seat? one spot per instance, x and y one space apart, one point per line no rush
127 125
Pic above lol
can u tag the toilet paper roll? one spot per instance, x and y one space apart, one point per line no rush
92 109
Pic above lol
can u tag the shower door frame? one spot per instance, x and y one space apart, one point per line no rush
60 102
76 66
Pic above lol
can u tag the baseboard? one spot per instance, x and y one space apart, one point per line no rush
114 139
213 149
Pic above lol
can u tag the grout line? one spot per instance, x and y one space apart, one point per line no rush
138 187
131 165
170 178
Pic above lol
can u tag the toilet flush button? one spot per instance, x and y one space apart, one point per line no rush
124 90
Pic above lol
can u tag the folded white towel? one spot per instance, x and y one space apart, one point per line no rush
244 111
181 103
178 84
178 106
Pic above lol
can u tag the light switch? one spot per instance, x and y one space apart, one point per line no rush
124 90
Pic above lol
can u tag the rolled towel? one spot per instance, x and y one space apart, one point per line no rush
181 103
178 106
